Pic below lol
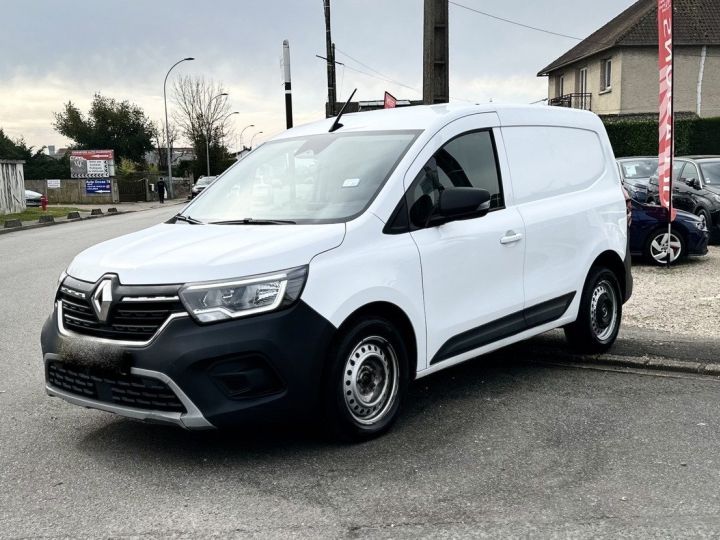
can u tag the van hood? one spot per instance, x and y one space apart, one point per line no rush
183 253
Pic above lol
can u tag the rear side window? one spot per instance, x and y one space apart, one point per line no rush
546 161
466 161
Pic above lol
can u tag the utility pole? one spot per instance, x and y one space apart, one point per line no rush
436 70
288 89
330 56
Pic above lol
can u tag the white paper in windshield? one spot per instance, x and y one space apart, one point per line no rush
351 182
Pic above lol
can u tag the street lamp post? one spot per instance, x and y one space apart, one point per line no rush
167 126
222 124
243 131
253 138
207 134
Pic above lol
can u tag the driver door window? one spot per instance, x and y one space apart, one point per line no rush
466 161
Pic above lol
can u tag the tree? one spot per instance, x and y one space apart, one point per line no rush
109 124
200 116
38 165
160 136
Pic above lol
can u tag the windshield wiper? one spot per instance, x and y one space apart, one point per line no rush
251 221
188 219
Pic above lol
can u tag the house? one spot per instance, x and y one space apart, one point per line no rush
614 71
179 154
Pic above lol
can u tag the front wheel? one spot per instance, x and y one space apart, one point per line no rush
366 380
598 323
704 216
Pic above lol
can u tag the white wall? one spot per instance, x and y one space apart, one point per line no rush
12 187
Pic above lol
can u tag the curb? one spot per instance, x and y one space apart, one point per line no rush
652 363
110 212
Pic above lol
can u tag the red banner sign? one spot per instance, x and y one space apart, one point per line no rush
666 124
390 101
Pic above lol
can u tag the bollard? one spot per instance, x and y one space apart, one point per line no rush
96 212
46 219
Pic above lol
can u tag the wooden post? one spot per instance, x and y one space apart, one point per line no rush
436 69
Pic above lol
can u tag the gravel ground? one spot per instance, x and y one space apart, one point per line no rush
690 291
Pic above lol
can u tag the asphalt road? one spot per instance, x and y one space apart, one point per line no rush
498 447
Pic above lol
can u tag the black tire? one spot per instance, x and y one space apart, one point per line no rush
656 238
600 313
704 215
368 353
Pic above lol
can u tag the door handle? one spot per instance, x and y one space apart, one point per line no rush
511 237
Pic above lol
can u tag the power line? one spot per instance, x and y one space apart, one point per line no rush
381 76
516 23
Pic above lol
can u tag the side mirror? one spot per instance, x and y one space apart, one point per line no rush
461 203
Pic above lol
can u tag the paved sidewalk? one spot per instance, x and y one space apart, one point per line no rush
86 209
634 348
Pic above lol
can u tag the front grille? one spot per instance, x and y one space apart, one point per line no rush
135 320
126 390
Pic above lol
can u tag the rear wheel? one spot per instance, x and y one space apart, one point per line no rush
598 322
366 380
660 246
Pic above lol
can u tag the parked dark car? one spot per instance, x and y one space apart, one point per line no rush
696 189
32 198
649 234
200 185
635 173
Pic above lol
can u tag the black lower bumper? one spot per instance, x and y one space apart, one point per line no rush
262 368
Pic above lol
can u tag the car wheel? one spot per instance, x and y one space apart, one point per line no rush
657 247
598 321
366 380
704 216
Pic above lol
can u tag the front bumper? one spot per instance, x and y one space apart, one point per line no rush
261 368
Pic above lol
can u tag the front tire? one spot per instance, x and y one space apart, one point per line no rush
366 380
598 323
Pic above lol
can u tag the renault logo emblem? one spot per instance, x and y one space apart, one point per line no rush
102 299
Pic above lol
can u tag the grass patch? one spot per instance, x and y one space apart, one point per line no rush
33 214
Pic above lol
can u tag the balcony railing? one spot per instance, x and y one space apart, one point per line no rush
573 101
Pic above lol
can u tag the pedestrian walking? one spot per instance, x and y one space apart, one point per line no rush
161 191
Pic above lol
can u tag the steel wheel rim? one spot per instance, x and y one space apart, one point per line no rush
603 310
370 380
659 247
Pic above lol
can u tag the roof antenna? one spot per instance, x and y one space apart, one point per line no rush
336 124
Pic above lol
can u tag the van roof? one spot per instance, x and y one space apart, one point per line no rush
423 117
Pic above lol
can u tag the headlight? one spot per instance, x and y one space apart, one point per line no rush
230 299
716 198
60 279
701 225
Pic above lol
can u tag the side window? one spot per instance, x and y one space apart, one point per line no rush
690 172
467 161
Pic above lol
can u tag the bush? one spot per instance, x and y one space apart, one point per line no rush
640 137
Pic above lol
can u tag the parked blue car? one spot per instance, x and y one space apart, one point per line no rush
649 234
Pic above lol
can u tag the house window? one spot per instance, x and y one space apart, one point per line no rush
606 74
582 86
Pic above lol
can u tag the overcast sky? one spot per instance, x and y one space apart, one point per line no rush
52 52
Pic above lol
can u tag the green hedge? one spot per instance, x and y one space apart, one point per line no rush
640 137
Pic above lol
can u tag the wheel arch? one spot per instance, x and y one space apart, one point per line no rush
395 315
611 259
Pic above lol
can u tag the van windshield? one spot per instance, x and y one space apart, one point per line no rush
323 178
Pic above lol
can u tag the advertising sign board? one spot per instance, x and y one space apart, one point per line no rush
92 163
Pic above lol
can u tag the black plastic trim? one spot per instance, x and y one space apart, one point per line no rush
504 327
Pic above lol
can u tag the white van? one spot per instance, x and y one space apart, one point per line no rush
342 260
